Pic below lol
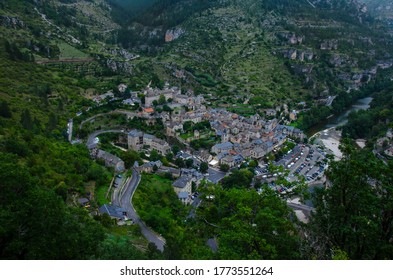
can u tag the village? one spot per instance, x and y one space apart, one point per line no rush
215 143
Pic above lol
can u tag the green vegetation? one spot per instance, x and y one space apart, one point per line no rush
244 222
68 51
238 179
354 214
203 143
157 204
42 174
224 167
374 122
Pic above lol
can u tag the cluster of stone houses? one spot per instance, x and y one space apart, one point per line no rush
138 141
110 160
100 98
174 94
243 137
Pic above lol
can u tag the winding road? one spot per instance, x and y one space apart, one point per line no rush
129 114
91 139
123 197
126 202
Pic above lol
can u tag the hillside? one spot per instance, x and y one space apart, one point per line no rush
265 53
382 9
132 5
42 176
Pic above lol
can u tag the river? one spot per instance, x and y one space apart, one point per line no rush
341 119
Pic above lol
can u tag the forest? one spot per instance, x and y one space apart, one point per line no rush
374 122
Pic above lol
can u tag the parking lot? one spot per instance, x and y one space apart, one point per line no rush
303 160
309 164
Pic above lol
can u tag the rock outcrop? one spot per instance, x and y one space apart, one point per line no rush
11 22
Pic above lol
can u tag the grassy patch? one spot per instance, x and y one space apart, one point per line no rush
68 51
100 195
244 110
130 231
186 136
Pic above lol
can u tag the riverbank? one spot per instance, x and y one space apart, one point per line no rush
341 119
329 136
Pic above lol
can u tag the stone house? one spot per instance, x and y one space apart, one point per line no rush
183 184
111 160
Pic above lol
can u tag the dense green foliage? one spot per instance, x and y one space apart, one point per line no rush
374 122
249 225
42 175
36 223
157 204
355 213
238 179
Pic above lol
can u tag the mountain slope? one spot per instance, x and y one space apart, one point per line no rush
264 53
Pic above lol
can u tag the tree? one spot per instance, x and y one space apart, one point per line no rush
53 229
166 108
251 225
180 162
26 120
187 126
253 164
238 179
143 98
130 157
95 172
204 167
53 121
154 155
175 149
189 162
354 214
224 167
161 100
118 248
153 253
5 110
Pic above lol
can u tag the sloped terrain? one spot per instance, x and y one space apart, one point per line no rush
263 53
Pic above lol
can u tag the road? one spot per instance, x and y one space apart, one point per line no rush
126 203
123 197
91 140
129 114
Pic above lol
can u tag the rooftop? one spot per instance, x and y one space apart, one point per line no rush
181 182
183 195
